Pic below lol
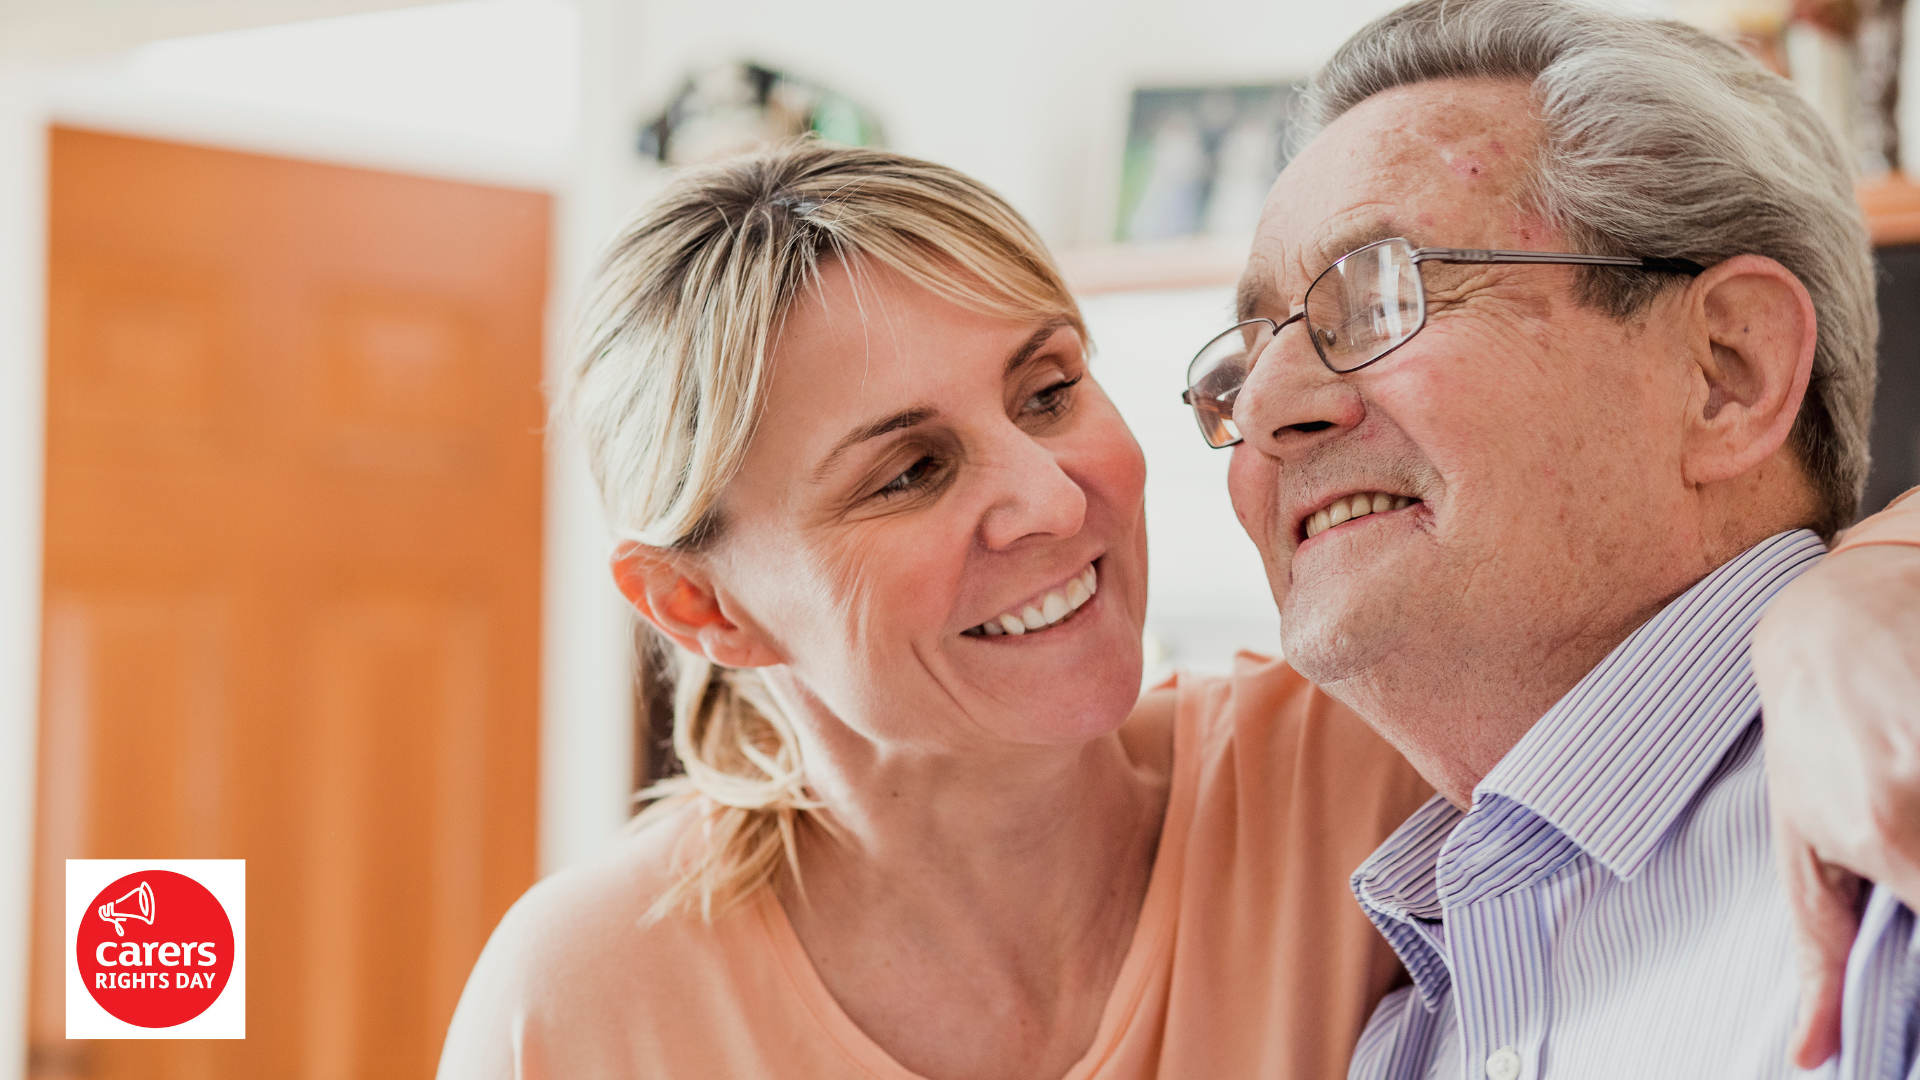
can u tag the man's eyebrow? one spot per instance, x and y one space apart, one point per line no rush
1022 355
1258 292
1347 241
1255 294
905 418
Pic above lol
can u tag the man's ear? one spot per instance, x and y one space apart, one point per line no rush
1751 374
675 593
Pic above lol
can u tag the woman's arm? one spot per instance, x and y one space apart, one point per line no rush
1838 661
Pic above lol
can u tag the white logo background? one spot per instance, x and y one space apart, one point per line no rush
226 879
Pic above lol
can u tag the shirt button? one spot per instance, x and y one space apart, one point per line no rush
1503 1064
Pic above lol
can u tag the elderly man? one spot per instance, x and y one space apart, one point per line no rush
1561 336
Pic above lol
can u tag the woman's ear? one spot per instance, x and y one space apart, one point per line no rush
1752 374
674 592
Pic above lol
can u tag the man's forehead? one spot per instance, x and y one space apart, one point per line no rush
1437 163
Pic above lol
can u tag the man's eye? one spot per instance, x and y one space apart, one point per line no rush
1053 399
916 476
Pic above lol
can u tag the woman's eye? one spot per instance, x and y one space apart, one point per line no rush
915 476
1052 399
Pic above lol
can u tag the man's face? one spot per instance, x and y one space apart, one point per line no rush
1539 438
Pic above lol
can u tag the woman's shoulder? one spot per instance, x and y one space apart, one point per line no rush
579 953
600 913
1274 728
1291 791
1260 694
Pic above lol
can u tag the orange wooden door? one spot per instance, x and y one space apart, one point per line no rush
293 522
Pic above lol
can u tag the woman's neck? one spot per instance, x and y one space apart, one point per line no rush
943 896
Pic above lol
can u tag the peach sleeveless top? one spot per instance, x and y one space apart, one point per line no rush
1250 959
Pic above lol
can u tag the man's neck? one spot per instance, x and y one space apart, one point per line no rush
1456 712
1456 708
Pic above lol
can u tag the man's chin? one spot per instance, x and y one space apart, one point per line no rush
1330 646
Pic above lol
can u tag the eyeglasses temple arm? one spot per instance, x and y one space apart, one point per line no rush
1482 255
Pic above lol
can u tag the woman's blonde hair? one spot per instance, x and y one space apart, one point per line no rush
670 380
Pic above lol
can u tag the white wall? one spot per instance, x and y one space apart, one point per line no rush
22 270
587 707
50 30
1028 95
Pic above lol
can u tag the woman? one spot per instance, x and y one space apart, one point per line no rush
838 403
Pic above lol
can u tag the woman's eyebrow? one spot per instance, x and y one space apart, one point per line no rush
1022 355
920 414
905 418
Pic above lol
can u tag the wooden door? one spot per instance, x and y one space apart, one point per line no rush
292 585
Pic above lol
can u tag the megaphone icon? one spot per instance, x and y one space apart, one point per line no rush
142 896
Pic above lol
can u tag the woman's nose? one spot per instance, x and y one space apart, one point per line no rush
1035 496
1291 401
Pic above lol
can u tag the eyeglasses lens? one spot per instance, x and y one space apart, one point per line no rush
1361 308
1366 305
1216 375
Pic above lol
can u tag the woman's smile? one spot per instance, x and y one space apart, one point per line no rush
1044 611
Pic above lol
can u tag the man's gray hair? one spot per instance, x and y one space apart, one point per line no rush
1663 140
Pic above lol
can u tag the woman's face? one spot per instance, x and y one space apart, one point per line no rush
922 472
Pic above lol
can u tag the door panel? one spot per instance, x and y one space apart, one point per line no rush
292 580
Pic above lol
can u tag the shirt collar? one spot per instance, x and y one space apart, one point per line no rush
1645 729
1400 892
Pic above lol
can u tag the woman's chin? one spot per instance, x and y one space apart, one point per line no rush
1069 698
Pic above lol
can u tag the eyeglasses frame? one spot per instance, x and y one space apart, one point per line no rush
1484 256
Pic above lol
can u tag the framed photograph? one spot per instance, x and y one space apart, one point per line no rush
1199 160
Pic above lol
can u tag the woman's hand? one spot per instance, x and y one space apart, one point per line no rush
1838 661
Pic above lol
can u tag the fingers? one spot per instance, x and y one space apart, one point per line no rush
1825 902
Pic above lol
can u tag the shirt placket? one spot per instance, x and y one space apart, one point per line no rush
1501 946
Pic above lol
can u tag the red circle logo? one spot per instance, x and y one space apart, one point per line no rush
155 948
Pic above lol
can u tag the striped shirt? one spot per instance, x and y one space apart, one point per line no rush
1608 907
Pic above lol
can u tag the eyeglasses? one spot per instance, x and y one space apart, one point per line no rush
1368 303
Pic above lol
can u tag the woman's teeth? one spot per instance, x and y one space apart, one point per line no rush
1053 607
1353 506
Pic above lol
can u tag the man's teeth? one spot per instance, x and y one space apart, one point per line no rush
1053 607
1353 506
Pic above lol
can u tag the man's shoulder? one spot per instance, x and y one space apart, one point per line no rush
1881 1001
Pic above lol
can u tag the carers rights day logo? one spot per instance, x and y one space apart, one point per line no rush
157 949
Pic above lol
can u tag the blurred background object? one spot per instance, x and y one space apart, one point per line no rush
1878 35
737 106
1199 161
290 570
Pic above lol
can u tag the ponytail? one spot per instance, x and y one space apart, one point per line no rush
743 783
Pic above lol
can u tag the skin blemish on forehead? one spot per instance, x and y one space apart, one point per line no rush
1465 164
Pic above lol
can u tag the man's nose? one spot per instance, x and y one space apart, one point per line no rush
1035 496
1291 402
